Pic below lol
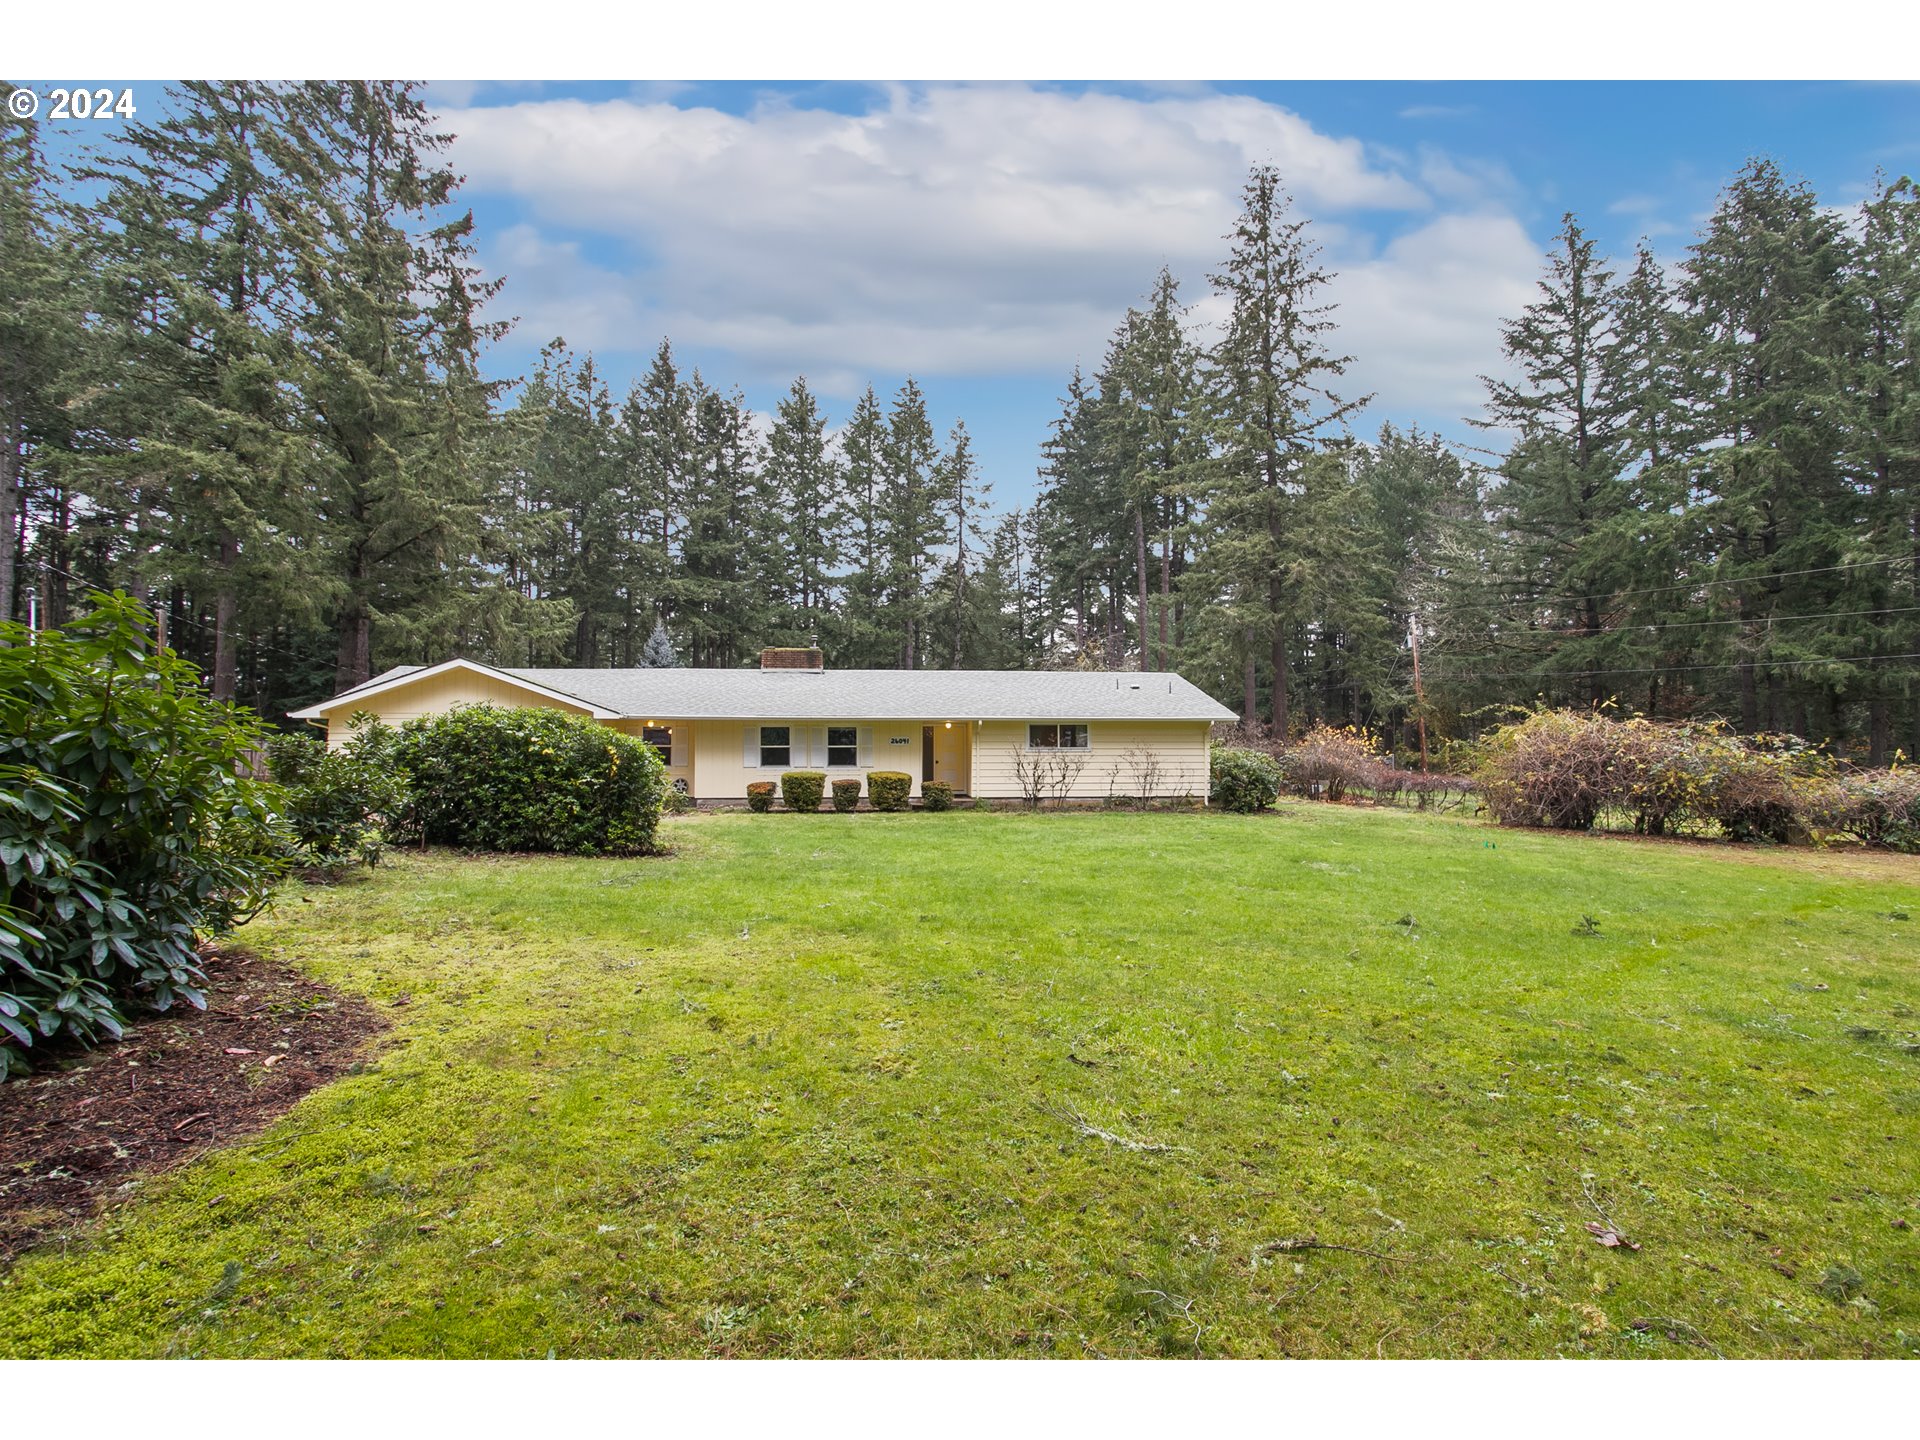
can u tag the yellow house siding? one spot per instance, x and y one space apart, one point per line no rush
720 748
684 745
1180 746
436 694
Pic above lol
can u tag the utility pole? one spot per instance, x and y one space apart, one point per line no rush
1419 691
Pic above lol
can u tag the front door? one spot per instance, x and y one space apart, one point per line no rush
944 755
926 754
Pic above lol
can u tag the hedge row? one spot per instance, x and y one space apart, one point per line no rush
802 790
1564 770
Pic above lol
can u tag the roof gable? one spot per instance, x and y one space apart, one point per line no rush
404 675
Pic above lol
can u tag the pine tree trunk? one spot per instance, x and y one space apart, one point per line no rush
354 662
1166 598
225 609
9 512
1250 701
1749 699
1140 565
1282 716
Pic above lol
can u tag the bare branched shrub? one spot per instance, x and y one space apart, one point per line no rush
1064 774
1329 762
1876 807
1146 770
1552 770
1561 769
1041 774
1027 775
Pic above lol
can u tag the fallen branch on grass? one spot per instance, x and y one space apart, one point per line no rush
1606 1233
1068 1115
1314 1242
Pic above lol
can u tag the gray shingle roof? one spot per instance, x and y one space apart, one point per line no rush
755 694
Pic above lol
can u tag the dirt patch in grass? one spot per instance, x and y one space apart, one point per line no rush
74 1132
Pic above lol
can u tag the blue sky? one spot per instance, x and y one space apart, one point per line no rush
986 238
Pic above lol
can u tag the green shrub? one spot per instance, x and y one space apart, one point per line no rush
129 827
936 795
760 796
1243 781
802 789
889 789
340 804
846 796
487 778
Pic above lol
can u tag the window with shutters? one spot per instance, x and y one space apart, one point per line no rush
843 745
776 746
1057 737
661 739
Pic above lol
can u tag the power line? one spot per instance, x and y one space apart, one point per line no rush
1629 631
1678 669
1684 585
183 619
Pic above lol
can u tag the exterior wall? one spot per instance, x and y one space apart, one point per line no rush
988 771
721 771
1179 745
684 745
710 755
431 697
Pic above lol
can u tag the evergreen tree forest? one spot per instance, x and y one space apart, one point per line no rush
244 376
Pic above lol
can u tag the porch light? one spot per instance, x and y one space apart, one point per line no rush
949 724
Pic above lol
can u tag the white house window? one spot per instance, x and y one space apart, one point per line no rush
661 739
843 745
1057 737
776 745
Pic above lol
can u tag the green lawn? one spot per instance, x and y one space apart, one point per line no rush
837 1086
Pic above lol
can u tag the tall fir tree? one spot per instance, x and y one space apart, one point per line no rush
1882 397
1762 289
198 266
861 634
961 500
1270 405
914 528
40 328
808 520
388 336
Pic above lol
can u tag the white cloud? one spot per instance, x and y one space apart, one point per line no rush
974 230
950 229
1422 319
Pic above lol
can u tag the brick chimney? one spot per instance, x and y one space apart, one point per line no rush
792 657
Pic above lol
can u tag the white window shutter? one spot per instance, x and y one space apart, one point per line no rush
751 759
866 746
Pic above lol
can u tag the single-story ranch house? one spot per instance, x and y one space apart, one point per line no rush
1093 733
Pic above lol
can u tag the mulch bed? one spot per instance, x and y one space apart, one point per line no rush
85 1123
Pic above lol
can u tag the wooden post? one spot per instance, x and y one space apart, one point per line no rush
1419 691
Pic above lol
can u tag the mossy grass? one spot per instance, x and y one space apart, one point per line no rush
1059 1085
